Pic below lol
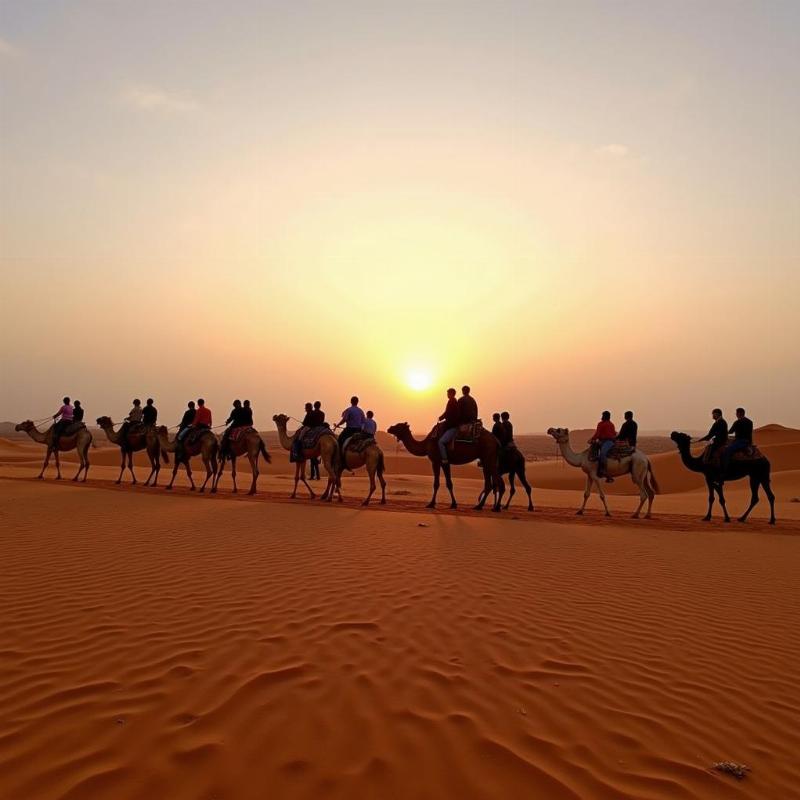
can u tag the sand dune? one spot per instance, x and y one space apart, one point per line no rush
183 647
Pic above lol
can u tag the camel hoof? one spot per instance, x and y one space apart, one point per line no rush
742 519
496 510
706 519
192 489
579 513
58 477
214 490
168 488
430 505
453 505
40 477
634 516
476 508
235 491
772 522
607 514
118 482
251 492
365 503
201 491
383 502
727 519
648 516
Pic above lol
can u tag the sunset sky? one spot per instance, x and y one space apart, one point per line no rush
571 206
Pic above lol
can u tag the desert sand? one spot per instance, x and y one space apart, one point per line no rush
189 647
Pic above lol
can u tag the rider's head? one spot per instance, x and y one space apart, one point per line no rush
353 401
78 403
505 415
317 405
451 392
237 403
191 404
606 416
137 402
496 417
629 415
370 415
465 390
201 402
149 401
66 401
716 413
247 404
309 406
739 412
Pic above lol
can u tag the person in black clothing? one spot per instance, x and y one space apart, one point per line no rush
234 421
308 419
186 420
149 413
508 428
450 428
498 431
247 414
717 434
77 412
742 431
318 415
629 431
467 407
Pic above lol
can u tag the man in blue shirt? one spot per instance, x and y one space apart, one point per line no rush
353 420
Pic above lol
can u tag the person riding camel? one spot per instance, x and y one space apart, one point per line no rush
449 418
352 419
247 414
65 416
319 414
202 417
77 412
306 425
186 421
317 421
467 407
629 431
508 427
149 414
498 431
717 435
308 418
742 431
604 437
134 418
235 420
370 427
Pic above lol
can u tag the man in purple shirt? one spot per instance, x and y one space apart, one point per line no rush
353 420
65 416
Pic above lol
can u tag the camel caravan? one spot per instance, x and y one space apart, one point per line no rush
458 437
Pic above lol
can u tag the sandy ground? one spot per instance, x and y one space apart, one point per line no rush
178 646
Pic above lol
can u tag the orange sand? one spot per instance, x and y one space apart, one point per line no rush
183 647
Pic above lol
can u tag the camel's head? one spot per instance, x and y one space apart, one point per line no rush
680 439
161 430
280 420
104 422
24 426
559 434
400 430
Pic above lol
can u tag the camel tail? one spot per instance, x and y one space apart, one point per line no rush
164 456
653 481
263 451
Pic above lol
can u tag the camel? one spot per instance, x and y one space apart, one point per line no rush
327 449
757 470
638 465
485 450
133 443
512 463
209 447
371 457
80 441
249 444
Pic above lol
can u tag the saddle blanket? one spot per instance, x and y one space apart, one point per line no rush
618 451
309 437
358 443
72 429
238 432
469 433
714 457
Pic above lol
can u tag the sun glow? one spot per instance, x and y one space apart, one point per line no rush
419 380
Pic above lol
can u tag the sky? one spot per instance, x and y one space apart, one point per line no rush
569 206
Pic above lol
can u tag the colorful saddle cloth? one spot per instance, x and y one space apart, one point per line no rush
238 432
309 437
358 443
619 451
713 455
469 433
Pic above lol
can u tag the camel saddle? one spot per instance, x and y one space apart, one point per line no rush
309 437
358 443
619 451
470 432
72 429
193 441
239 431
713 456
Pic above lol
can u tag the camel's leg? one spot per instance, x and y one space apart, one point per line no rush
524 481
303 478
487 487
382 482
45 463
372 485
639 478
586 492
175 464
436 469
121 466
218 476
80 466
448 481
710 485
511 489
233 474
130 467
723 503
211 468
603 497
500 485
58 466
771 497
754 484
85 464
152 469
254 471
189 473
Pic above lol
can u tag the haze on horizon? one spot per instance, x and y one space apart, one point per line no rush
570 207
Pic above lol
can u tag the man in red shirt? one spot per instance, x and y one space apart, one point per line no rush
604 436
202 417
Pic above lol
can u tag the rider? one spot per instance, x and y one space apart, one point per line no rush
717 434
77 412
629 431
370 427
467 407
308 418
247 414
149 413
202 417
66 414
319 414
134 418
317 421
352 419
604 436
498 431
305 425
234 421
742 431
186 420
450 418
509 429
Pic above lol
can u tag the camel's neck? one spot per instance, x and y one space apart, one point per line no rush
414 446
570 456
37 435
689 461
166 444
285 439
113 436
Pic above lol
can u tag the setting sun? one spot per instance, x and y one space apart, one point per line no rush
419 380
